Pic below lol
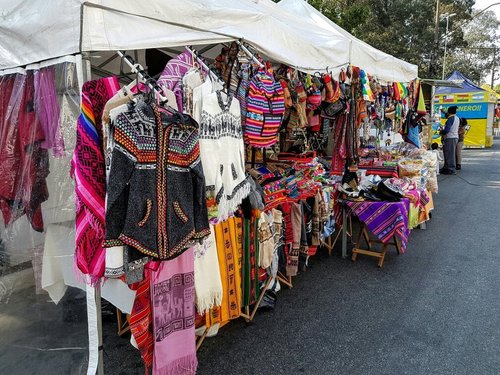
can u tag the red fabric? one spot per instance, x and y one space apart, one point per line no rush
141 318
23 163
339 147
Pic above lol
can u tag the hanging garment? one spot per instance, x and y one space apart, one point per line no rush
172 300
229 251
190 81
244 83
200 92
339 145
171 77
222 155
141 319
23 161
47 110
207 280
90 178
279 241
296 220
250 262
156 201
266 240
115 256
265 110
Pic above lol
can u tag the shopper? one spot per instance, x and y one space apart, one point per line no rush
460 144
450 140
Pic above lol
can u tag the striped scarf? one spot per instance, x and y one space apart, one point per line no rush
90 180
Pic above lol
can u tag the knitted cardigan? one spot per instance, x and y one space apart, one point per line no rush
156 189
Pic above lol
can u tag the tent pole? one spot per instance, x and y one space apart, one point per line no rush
86 65
100 363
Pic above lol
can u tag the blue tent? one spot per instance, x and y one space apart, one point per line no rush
467 85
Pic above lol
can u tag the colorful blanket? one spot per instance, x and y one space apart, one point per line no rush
384 219
88 169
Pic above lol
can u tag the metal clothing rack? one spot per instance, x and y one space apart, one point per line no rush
141 73
249 54
205 66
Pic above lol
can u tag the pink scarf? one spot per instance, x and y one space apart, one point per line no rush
172 299
90 179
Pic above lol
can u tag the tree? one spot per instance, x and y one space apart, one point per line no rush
402 28
497 88
475 59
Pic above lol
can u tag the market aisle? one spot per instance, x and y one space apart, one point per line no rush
434 310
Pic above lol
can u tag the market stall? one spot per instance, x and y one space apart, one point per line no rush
474 104
241 193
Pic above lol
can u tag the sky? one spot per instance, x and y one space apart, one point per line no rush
481 4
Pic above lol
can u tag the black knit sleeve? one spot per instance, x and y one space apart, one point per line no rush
200 211
122 167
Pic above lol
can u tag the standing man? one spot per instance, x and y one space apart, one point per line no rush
450 137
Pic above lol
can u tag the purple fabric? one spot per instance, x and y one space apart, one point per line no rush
384 219
47 109
171 77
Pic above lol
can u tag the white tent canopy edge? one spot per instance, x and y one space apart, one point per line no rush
37 30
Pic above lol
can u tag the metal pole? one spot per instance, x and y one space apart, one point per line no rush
436 40
100 363
493 67
96 294
344 232
205 66
445 45
249 54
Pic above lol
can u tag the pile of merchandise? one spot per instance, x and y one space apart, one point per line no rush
172 202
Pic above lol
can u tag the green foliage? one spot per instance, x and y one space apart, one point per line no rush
475 58
406 29
403 28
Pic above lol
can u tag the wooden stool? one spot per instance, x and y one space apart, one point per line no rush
377 254
123 326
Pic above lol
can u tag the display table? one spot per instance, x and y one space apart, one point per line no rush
387 221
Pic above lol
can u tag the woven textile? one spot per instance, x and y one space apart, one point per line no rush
265 110
171 77
90 179
141 320
229 255
172 300
384 219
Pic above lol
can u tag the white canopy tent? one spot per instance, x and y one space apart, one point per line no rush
380 64
37 30
33 31
291 32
